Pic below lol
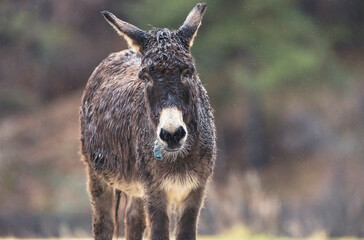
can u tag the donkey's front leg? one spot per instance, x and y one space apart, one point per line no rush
188 215
135 219
156 204
102 201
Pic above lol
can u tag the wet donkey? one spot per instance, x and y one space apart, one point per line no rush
147 130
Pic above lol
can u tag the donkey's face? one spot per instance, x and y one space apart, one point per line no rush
168 70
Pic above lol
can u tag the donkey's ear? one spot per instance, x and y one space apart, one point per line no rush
189 28
134 36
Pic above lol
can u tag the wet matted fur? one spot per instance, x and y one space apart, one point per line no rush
133 100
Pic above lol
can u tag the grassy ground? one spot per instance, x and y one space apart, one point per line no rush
236 233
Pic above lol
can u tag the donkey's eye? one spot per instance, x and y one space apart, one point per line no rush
186 74
145 76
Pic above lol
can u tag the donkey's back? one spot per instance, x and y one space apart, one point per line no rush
111 105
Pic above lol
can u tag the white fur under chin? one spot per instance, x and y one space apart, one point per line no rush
177 188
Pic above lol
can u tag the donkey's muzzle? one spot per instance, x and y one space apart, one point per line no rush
173 140
172 131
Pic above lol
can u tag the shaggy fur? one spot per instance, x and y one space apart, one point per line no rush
120 113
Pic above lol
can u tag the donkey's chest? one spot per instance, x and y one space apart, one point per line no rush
177 188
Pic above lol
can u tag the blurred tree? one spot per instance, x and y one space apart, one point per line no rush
48 48
39 41
341 22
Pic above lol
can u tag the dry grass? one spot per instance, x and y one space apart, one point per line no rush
236 233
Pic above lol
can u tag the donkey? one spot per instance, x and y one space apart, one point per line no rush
147 129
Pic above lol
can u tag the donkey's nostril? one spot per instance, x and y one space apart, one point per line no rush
172 139
165 136
179 134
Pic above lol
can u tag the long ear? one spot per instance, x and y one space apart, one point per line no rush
189 28
134 36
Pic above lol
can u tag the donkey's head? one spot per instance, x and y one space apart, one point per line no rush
169 72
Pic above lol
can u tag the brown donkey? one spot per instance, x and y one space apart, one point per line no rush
147 130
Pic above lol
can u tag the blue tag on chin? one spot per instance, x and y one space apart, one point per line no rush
157 151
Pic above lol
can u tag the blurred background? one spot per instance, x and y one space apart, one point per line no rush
285 78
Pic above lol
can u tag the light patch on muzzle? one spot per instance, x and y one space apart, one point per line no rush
172 131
